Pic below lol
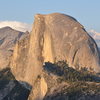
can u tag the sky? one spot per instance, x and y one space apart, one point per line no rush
87 12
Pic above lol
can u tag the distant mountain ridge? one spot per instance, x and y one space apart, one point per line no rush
16 25
96 36
8 39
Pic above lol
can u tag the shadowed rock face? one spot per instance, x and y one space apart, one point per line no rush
10 88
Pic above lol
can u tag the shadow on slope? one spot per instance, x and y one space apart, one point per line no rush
68 73
80 84
10 88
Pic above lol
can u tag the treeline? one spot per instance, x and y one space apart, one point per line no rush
61 68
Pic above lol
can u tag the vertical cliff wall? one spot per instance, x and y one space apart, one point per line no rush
54 37
19 61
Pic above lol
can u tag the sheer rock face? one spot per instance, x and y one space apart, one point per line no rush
39 90
26 63
54 37
66 39
19 61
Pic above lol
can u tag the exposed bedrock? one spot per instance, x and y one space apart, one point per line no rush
54 37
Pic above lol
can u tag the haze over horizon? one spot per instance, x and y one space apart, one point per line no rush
86 12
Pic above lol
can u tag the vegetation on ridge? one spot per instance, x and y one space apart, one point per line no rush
82 84
70 74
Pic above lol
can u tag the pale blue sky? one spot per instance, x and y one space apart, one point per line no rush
87 12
